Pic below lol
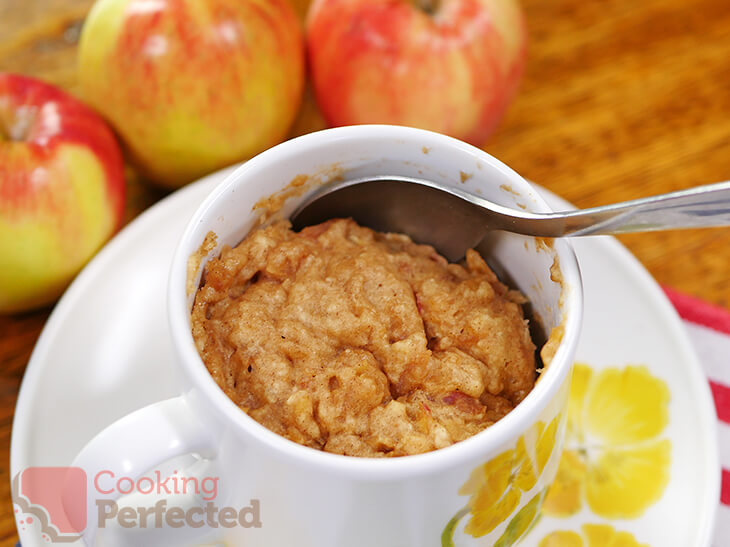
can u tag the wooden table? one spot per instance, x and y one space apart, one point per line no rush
621 99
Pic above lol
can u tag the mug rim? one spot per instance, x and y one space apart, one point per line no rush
473 448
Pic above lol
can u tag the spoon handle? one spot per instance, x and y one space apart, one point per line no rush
702 206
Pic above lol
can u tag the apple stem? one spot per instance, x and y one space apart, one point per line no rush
429 6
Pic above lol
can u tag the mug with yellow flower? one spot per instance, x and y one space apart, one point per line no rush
484 490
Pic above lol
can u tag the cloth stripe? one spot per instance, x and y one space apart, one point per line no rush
722 527
723 438
713 350
723 441
721 393
700 312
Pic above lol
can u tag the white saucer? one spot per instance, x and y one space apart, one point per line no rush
105 351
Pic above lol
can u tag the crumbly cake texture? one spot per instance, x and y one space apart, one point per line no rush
361 343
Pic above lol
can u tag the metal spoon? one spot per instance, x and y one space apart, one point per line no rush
453 220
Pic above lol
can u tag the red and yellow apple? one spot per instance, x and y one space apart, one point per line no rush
61 190
451 66
193 85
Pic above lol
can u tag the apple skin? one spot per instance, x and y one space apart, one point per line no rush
453 70
193 85
61 190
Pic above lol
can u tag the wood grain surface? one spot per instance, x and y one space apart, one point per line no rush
621 99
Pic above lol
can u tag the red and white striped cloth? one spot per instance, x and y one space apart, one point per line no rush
709 330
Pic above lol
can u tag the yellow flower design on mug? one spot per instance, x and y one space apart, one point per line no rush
594 535
495 488
614 458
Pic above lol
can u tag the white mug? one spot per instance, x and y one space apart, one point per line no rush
484 490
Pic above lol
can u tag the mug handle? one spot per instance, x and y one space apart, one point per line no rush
133 445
